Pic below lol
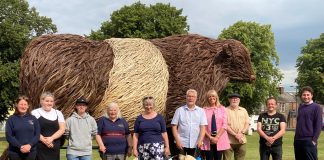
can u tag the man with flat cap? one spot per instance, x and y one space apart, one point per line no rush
237 125
80 129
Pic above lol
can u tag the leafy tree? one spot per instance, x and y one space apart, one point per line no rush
259 39
310 66
140 21
18 25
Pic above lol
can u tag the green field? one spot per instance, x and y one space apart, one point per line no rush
288 148
252 147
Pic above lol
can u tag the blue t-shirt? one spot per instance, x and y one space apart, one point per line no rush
21 130
113 135
149 130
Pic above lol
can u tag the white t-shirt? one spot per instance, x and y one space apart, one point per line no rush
51 115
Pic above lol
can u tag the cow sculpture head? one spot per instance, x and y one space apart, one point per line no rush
202 63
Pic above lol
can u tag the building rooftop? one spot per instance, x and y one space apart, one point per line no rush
286 97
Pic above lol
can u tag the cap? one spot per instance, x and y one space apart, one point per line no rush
81 100
234 95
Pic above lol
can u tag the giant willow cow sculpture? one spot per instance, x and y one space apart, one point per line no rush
126 70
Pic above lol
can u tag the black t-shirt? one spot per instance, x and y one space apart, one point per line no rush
271 126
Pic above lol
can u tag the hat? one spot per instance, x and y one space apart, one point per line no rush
81 100
234 95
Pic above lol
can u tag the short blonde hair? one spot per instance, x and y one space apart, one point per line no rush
46 94
148 98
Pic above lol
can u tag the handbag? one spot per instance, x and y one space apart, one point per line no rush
197 154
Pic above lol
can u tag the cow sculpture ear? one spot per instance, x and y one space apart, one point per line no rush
224 56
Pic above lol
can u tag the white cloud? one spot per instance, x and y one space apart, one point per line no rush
207 17
290 74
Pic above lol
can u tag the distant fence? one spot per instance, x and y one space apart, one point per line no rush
2 126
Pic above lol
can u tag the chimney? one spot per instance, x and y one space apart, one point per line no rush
281 89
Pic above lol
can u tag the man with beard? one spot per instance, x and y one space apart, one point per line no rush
237 125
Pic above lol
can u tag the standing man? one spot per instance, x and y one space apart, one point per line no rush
271 127
80 129
188 125
308 128
237 125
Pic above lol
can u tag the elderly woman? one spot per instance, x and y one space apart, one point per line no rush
150 138
22 131
52 126
216 138
113 137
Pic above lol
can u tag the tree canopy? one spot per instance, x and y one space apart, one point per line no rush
18 25
310 67
259 39
139 21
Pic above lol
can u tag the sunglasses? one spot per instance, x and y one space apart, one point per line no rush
148 97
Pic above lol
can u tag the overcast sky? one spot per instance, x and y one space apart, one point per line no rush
293 21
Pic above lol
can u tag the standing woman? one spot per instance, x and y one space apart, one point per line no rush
22 132
113 137
216 138
52 126
150 140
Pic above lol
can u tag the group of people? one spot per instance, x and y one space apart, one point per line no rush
213 131
40 133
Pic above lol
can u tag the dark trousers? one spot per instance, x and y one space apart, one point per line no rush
22 156
305 150
212 154
274 151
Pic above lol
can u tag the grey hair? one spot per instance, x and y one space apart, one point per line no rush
111 105
191 91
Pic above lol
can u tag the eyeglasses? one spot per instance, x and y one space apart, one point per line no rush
147 97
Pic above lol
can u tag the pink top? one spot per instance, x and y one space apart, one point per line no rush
221 122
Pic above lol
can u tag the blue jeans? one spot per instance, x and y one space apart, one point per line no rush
75 157
115 156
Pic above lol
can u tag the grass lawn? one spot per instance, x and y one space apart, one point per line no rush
252 147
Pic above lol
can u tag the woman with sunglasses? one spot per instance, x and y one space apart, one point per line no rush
150 140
